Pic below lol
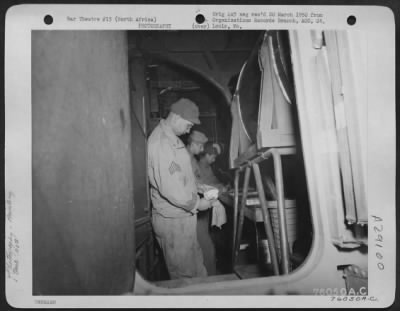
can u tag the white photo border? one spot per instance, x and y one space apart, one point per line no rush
22 19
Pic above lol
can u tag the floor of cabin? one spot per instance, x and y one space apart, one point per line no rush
252 259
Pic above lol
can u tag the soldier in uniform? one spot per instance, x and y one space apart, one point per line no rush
173 191
195 147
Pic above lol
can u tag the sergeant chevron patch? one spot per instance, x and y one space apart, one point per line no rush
174 167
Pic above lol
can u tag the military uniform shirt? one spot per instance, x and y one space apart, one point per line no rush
173 188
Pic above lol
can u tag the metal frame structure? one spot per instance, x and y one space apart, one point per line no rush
238 219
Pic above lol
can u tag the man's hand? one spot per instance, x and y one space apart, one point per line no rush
212 201
204 205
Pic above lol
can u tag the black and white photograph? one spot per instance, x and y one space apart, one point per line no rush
203 162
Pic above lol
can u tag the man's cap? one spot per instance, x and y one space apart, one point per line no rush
198 137
212 148
187 109
217 147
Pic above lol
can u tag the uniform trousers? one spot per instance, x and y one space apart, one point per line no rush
177 238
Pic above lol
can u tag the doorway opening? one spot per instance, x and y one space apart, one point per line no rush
205 67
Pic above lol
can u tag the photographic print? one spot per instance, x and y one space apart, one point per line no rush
240 151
